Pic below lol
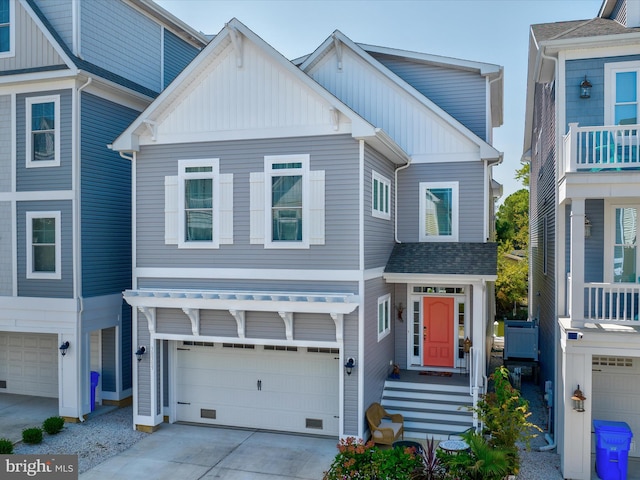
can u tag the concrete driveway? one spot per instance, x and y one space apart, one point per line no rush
18 412
193 452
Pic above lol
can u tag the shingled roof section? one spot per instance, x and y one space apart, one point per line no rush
596 27
444 258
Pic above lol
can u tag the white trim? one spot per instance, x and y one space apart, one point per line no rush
455 205
422 278
361 160
11 197
610 71
30 273
12 32
383 211
270 172
385 302
248 274
372 273
29 102
46 195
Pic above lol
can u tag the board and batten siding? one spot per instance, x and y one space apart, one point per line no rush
32 287
378 232
470 178
6 247
177 55
44 178
115 36
6 145
32 49
106 198
58 14
336 155
460 93
127 347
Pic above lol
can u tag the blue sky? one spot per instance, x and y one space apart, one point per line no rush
491 31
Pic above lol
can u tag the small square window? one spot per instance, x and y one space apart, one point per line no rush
43 245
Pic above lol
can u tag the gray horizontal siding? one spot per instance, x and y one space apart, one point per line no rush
265 325
351 404
6 247
470 178
62 288
115 36
144 368
172 321
108 373
177 55
106 199
307 286
314 326
462 94
378 232
217 323
44 178
58 13
336 155
6 146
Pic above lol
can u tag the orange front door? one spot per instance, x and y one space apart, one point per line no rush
437 332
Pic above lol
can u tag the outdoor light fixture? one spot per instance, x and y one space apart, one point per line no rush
350 365
63 348
585 88
587 227
140 352
400 311
578 400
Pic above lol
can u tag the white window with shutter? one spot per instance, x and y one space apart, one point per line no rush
199 205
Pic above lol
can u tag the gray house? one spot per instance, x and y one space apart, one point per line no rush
300 227
581 138
70 83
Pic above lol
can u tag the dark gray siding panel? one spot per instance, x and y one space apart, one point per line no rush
144 370
594 245
62 288
351 346
470 178
58 13
177 55
6 247
108 374
313 326
6 146
336 155
106 199
468 103
172 321
378 232
44 178
265 325
127 347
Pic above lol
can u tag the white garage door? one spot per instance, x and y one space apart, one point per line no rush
615 393
273 388
29 364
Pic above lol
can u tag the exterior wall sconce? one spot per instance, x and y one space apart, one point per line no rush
587 227
578 400
400 309
350 365
64 347
585 88
140 352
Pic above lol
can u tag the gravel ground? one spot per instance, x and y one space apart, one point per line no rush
93 441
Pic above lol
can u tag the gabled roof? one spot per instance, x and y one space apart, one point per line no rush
360 128
486 150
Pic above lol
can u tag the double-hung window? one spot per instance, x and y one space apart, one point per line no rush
384 316
380 196
625 247
438 212
43 131
7 28
622 105
197 208
43 245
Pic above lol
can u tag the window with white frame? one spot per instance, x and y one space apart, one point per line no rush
43 131
625 246
622 105
380 196
384 316
438 212
198 207
7 29
43 245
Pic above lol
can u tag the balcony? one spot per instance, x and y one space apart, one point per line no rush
601 148
612 303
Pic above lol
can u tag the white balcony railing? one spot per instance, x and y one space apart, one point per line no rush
601 148
611 302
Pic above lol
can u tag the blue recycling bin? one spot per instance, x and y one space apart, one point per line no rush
613 441
94 383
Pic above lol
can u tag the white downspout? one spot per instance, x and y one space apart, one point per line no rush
395 199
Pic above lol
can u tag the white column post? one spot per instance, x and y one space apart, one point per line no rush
577 262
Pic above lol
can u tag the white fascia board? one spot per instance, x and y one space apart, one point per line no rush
171 22
37 195
31 82
433 278
617 41
487 151
384 144
249 274
484 69
116 93
35 314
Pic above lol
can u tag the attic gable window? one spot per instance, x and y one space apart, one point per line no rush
43 131
7 22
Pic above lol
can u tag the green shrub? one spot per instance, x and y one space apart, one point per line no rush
32 435
482 461
6 446
53 425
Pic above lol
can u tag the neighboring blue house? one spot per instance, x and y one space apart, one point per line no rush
70 82
300 227
582 139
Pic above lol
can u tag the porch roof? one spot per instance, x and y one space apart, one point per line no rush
444 258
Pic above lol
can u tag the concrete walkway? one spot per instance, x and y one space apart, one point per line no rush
193 452
18 412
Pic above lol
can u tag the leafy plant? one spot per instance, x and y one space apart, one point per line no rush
482 461
431 468
53 425
6 446
32 435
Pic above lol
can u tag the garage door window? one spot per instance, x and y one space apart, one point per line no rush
43 245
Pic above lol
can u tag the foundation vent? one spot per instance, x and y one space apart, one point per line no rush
314 423
204 413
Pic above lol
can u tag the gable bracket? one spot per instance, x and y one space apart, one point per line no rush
194 316
239 315
287 317
337 44
152 128
236 40
338 319
335 118
150 314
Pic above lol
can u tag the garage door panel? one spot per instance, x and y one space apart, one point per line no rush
295 386
31 363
